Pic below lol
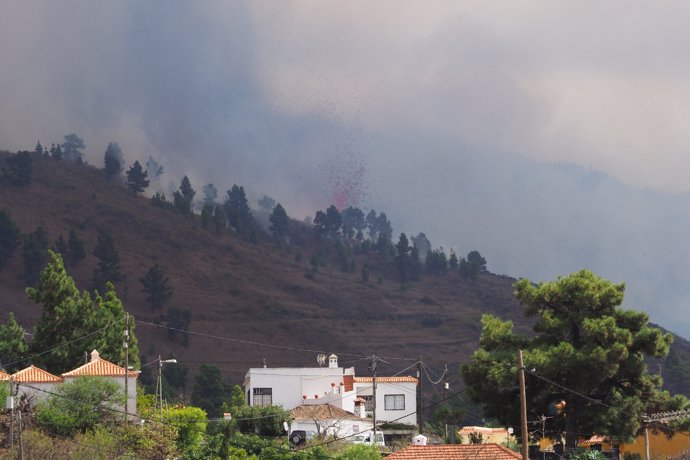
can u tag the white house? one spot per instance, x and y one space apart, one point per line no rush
36 383
100 367
396 398
291 387
323 420
33 383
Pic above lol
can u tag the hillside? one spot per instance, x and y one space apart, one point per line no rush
251 302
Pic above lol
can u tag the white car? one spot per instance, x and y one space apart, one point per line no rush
365 437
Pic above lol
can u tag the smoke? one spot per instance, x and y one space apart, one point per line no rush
481 125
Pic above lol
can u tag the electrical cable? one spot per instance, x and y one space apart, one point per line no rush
57 347
261 344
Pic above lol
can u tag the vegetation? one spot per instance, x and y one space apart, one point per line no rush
9 236
68 314
73 148
113 161
156 286
80 405
108 269
183 199
280 222
210 391
35 255
241 290
18 169
582 341
13 345
137 180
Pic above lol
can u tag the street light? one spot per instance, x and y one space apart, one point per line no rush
160 379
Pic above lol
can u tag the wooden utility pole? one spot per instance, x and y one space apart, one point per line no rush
420 416
523 407
126 345
646 442
372 367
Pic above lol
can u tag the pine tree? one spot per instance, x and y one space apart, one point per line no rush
13 345
210 194
154 168
108 268
183 198
18 169
60 246
56 152
73 148
206 215
238 213
75 248
280 223
137 178
110 310
113 161
220 221
35 255
68 315
156 287
9 236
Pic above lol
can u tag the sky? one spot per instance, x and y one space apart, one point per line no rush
550 136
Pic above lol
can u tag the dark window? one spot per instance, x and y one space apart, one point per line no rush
394 402
263 396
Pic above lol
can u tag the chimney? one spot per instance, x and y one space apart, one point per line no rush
419 440
95 356
333 361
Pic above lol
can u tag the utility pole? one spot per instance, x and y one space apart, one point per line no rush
21 443
445 391
645 420
372 367
10 406
126 345
420 417
523 407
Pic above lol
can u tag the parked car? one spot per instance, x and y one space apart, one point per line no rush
298 437
366 437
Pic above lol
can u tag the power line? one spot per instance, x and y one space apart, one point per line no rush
261 344
57 347
570 390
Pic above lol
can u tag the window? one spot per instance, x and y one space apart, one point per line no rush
394 402
368 403
263 396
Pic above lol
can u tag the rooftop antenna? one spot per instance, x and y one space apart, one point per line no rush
321 359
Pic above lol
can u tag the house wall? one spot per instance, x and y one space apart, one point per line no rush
336 428
37 391
408 415
131 390
660 446
289 385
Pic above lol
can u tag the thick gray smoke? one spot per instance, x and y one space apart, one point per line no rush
479 124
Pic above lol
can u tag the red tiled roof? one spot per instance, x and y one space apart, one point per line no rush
482 430
386 379
595 439
321 412
455 452
4 375
99 367
33 374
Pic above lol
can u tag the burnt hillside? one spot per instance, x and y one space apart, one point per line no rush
255 301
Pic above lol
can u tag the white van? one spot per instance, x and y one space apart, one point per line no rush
365 437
